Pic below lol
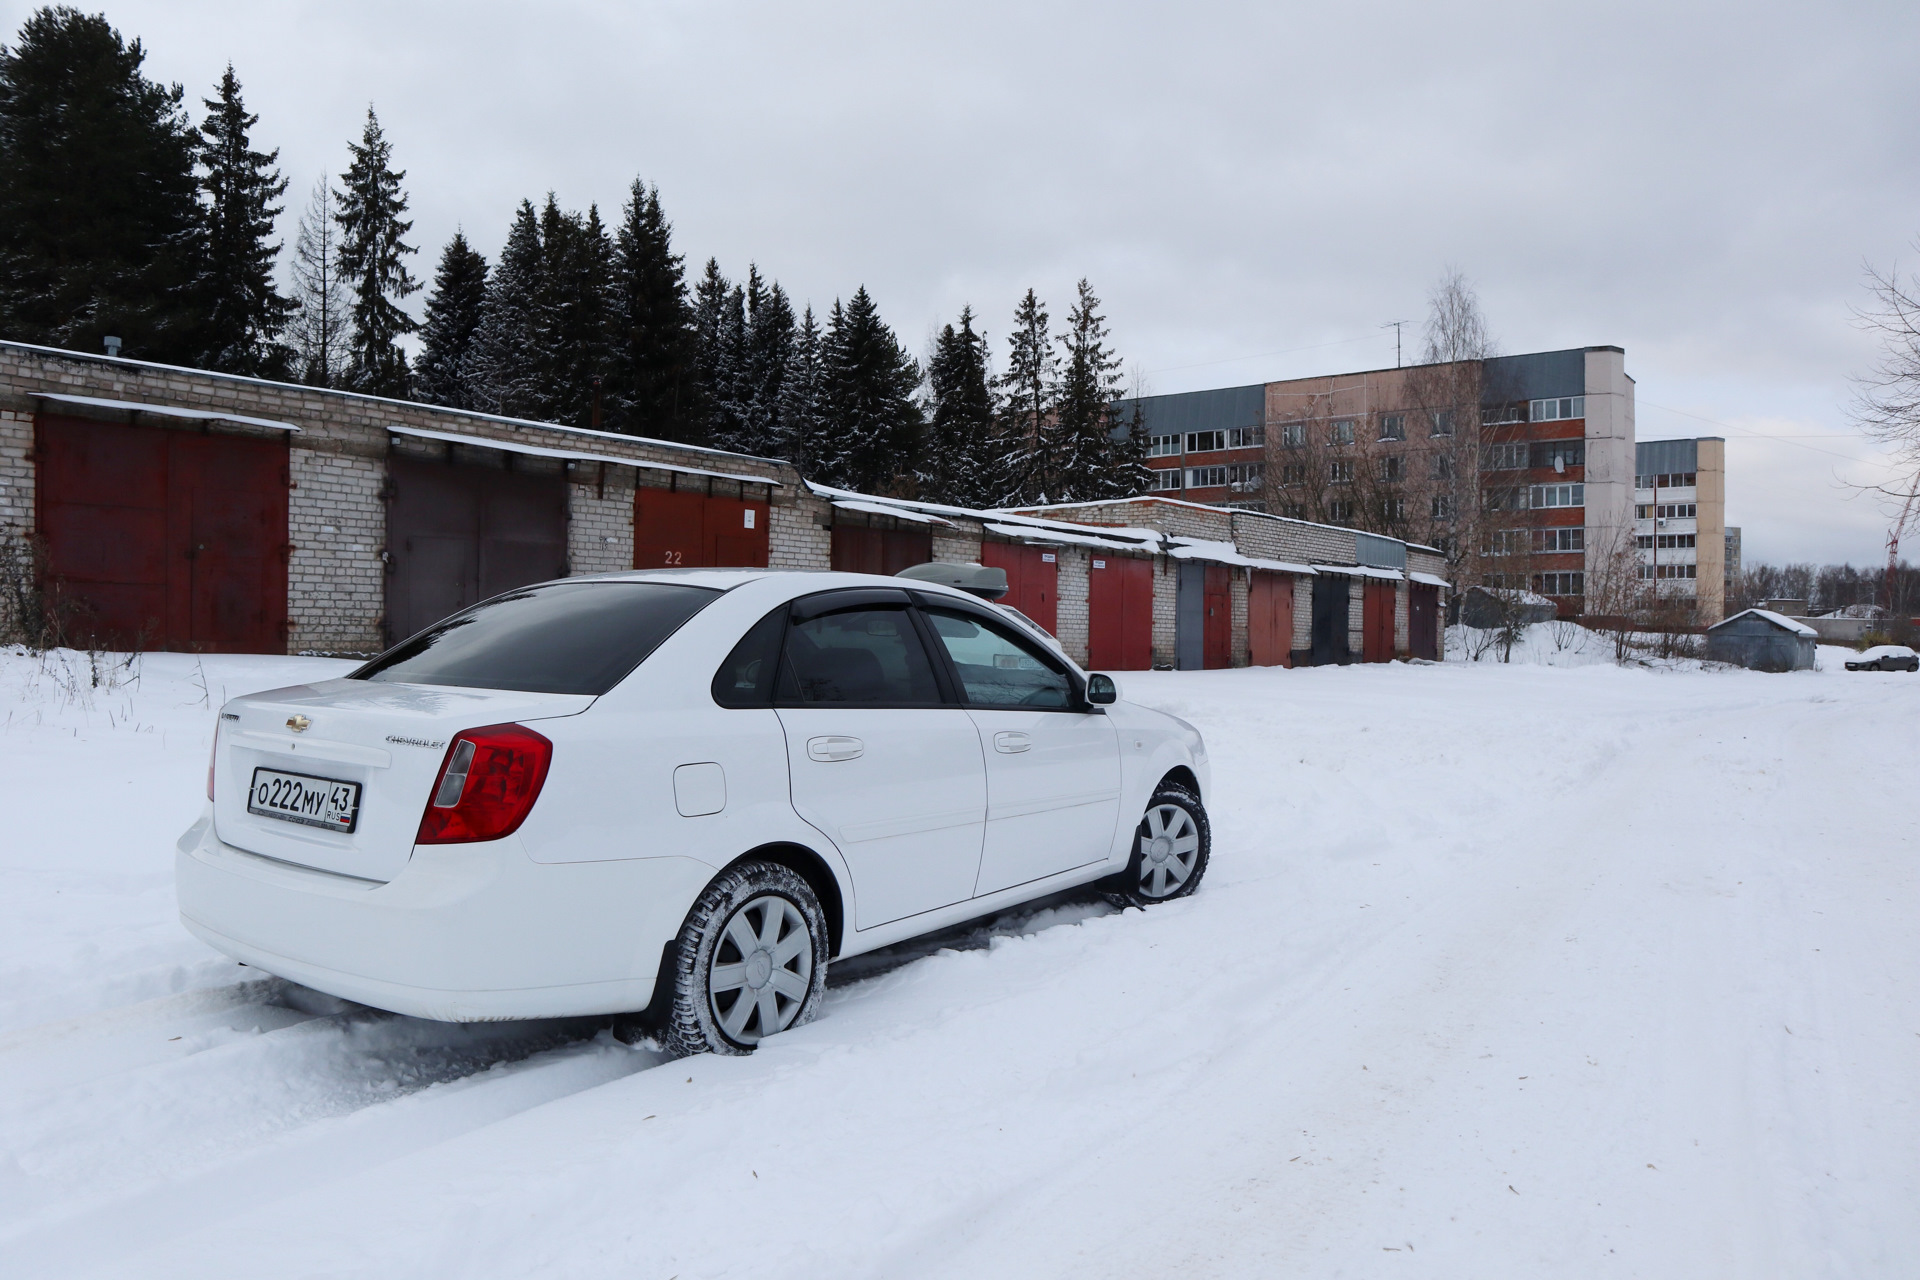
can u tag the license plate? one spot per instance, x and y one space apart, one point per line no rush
299 797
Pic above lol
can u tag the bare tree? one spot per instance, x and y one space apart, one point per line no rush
1887 401
320 328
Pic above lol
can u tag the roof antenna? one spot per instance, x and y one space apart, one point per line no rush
113 346
1395 326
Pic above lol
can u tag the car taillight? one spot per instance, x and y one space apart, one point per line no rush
487 785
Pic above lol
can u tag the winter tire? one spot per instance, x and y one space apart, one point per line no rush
750 961
1170 849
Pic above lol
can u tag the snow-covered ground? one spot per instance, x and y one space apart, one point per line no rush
1500 970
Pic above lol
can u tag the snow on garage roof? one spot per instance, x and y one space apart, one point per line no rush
898 513
1361 571
1780 620
571 455
164 410
1428 579
1227 553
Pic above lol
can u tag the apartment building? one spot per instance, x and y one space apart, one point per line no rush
1680 522
1520 468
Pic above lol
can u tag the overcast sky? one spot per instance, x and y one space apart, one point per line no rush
1253 189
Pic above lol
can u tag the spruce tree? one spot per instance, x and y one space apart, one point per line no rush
453 318
875 422
961 456
720 323
99 217
322 301
802 435
650 390
500 371
1029 395
372 258
243 313
1093 450
767 348
572 316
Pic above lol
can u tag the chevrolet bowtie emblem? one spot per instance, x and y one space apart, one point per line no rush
298 723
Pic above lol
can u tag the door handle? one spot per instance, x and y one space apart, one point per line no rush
835 748
1012 742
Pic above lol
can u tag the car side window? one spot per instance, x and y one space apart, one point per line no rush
865 657
996 668
746 678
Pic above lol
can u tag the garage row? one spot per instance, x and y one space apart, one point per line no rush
201 512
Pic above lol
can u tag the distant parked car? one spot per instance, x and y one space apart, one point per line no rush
679 793
1885 657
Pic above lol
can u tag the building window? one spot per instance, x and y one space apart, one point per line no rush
1342 431
1560 584
1247 477
1393 508
1504 581
1162 446
1443 466
1340 472
1506 457
1247 438
1557 410
1206 477
1550 540
1393 470
1665 510
1442 507
1393 426
1666 571
1293 473
1261 507
1504 542
1440 422
1499 414
1165 479
1666 480
1293 435
1206 441
1560 454
1505 498
1557 495
1669 541
1339 511
1294 510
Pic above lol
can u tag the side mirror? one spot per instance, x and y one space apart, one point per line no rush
1102 691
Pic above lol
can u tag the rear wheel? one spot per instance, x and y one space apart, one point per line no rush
1170 849
750 961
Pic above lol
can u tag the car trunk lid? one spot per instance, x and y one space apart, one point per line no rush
321 740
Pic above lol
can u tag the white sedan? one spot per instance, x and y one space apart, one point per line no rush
678 794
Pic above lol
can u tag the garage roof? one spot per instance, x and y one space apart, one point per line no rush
573 455
163 410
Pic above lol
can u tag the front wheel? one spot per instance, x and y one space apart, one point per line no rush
1170 849
750 961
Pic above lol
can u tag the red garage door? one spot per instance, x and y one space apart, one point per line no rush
857 549
1120 614
162 539
1376 621
1033 580
1270 619
690 530
1218 634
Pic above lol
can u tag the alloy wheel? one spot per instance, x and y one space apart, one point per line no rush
762 969
1169 845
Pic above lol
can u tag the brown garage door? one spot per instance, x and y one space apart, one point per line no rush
163 539
887 551
458 533
688 529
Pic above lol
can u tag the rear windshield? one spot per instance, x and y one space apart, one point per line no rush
564 637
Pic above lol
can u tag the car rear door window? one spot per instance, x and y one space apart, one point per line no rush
560 637
996 669
866 657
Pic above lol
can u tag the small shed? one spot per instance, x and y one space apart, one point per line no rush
1762 640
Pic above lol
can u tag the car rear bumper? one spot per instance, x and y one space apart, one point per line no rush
466 933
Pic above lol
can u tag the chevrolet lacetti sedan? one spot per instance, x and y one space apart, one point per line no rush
676 794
